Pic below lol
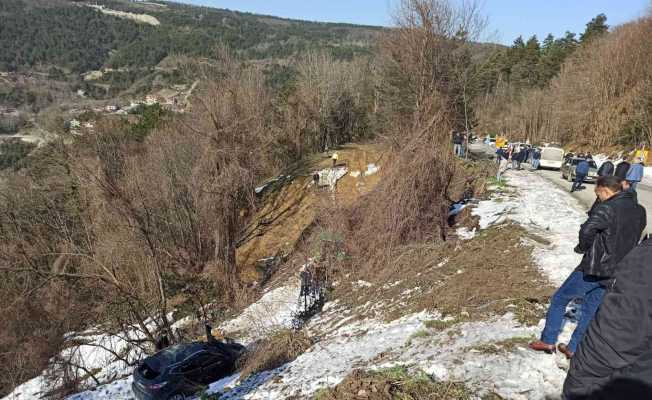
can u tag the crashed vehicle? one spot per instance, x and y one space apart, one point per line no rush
180 371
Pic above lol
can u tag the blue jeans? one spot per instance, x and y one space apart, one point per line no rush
457 149
577 285
535 163
633 185
579 179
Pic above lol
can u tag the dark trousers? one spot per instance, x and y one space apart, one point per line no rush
579 179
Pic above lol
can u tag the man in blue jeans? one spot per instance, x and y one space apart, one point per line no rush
614 227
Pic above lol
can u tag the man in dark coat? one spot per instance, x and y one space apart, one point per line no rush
613 228
581 171
622 169
607 168
614 360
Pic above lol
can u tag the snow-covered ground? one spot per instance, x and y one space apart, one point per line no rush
545 210
647 176
346 343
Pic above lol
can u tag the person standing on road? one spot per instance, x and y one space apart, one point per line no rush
581 171
516 157
612 230
635 174
607 168
614 360
621 170
503 162
536 158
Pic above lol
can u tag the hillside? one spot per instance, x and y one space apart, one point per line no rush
76 37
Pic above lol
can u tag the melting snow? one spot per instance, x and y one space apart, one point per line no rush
371 169
346 343
275 310
465 233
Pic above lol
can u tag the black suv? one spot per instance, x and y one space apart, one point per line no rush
180 371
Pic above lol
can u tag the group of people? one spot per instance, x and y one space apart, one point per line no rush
630 173
517 155
611 347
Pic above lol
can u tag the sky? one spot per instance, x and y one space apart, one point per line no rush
507 18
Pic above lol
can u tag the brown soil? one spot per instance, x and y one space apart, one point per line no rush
290 208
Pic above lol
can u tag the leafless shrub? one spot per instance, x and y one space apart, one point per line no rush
274 351
418 94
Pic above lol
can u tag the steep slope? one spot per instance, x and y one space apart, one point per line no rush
480 347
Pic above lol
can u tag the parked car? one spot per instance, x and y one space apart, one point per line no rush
481 149
180 371
568 170
551 157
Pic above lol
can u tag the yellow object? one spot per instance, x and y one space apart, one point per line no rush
501 141
644 154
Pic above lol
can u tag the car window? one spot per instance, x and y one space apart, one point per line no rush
196 362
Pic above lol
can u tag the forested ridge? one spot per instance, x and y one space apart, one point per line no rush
72 35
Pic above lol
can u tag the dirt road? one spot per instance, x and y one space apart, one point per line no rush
587 196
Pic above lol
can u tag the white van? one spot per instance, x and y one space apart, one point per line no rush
552 157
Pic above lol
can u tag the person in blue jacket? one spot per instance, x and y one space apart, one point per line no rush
635 174
581 171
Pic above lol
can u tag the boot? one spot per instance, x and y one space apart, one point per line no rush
563 348
538 345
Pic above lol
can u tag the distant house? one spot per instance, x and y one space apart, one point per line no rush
9 112
111 108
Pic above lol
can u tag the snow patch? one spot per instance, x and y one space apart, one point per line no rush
371 169
274 311
465 233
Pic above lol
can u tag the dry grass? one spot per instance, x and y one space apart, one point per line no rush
503 346
394 383
489 275
275 351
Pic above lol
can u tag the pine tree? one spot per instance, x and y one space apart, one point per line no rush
595 28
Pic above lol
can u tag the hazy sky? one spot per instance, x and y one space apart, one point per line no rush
508 18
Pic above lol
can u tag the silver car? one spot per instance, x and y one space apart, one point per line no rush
570 164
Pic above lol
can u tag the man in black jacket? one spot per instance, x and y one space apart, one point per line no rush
613 228
614 360
607 168
621 170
